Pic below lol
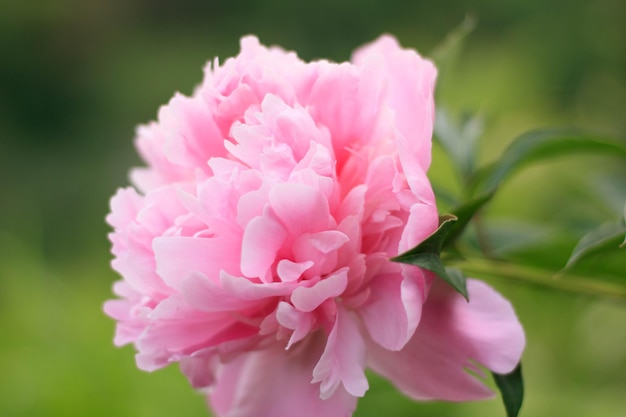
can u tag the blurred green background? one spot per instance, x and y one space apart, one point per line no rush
77 76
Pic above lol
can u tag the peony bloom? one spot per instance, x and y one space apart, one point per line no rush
255 247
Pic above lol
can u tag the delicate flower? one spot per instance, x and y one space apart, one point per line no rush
256 252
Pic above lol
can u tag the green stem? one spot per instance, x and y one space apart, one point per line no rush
485 268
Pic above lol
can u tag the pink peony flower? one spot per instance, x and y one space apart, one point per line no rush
256 251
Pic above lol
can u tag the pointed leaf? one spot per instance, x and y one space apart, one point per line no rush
511 387
605 237
541 144
434 242
458 280
426 255
432 262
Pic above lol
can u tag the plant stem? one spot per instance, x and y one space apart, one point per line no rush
481 267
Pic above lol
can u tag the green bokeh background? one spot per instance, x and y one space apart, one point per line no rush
76 77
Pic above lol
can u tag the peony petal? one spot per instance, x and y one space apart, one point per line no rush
453 333
137 268
291 271
216 204
422 222
410 88
328 241
300 208
292 127
300 322
222 393
347 101
194 136
245 289
200 369
176 329
262 239
414 173
393 309
125 205
177 256
131 322
309 298
205 295
343 360
150 141
321 249
352 204
243 388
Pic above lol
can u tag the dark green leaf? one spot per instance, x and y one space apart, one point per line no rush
603 238
538 145
426 255
458 280
434 242
511 387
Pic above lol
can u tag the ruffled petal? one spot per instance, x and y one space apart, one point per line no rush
393 309
422 221
299 321
300 208
308 299
343 360
177 329
262 239
410 88
452 336
206 295
244 390
177 256
347 101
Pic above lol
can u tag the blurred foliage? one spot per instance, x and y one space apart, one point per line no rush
76 77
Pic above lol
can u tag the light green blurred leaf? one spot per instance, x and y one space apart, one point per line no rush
444 197
603 238
459 143
539 145
446 51
427 255
464 213
511 387
510 236
459 140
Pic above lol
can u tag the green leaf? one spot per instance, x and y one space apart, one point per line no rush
447 50
459 140
444 197
527 148
539 145
458 280
511 387
603 238
464 213
427 255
